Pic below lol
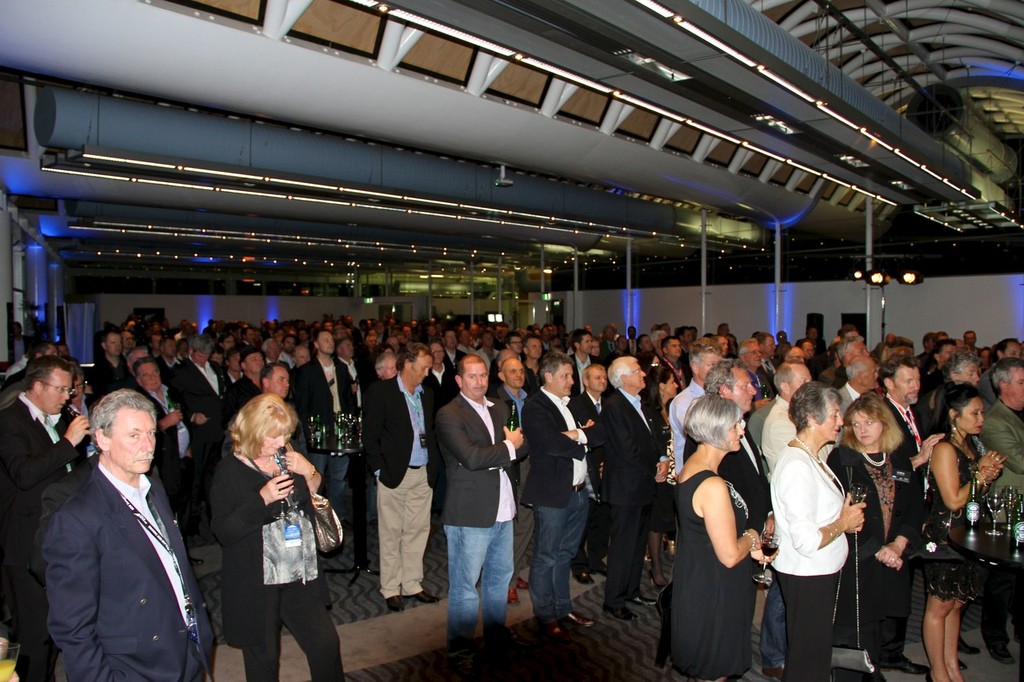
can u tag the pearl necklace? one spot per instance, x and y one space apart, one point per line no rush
873 462
821 465
807 448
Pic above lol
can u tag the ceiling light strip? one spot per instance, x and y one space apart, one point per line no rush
562 73
679 21
451 32
134 162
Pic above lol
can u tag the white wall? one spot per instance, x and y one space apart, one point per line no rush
992 305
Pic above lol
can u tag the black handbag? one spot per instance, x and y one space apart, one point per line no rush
851 658
326 527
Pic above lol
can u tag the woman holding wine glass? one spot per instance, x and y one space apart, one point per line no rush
713 595
661 388
812 515
868 461
955 463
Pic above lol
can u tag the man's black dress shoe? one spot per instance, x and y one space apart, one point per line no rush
195 561
423 597
584 578
642 601
905 665
1000 653
395 603
965 648
620 612
462 663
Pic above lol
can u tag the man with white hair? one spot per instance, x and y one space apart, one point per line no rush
862 376
704 356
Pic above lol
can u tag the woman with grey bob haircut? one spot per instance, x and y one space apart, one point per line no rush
713 596
813 400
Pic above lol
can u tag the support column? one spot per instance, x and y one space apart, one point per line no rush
6 281
501 289
430 288
387 280
55 304
703 271
36 277
778 280
869 248
629 284
472 292
577 320
543 303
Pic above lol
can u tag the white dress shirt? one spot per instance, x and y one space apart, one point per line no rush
506 500
579 466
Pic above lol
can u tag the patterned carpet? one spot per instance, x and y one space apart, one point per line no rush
612 650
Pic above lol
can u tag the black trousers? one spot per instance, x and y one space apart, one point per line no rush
298 606
29 609
594 543
626 552
810 601
996 603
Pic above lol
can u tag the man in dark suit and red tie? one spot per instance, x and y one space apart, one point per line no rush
633 464
556 487
479 450
38 449
141 616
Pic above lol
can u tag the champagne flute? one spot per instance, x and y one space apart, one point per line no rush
858 493
8 659
769 546
1009 501
994 502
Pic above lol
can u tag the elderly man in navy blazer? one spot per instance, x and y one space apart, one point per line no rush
557 490
479 450
124 601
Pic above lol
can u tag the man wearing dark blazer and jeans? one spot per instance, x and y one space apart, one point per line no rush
401 450
631 469
478 511
556 489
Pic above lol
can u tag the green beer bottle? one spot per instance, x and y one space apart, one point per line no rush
513 418
973 509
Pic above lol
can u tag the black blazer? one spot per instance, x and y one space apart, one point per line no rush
235 398
472 462
750 483
906 451
313 395
583 409
388 433
197 396
883 591
631 452
166 457
551 453
444 390
31 462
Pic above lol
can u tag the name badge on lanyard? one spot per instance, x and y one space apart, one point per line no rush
292 533
901 476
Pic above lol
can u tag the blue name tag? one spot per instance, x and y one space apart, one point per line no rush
292 535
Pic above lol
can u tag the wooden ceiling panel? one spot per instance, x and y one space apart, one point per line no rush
685 140
640 124
441 57
340 26
586 105
520 83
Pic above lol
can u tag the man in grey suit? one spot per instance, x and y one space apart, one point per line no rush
478 511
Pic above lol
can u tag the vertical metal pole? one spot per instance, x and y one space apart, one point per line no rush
577 318
387 280
778 279
472 292
543 303
430 288
868 265
629 283
501 282
6 281
704 270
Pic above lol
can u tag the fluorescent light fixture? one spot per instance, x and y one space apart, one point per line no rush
866 133
660 10
165 183
851 160
101 176
712 40
451 32
225 174
900 184
132 162
300 183
839 117
647 105
767 153
785 83
711 131
771 121
802 167
562 73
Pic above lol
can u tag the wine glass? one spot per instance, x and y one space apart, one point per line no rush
1009 501
994 502
8 658
769 546
858 493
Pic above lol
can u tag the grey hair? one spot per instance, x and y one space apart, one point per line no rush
1003 370
700 348
201 343
861 365
722 375
844 345
106 410
748 346
786 373
812 400
958 363
710 418
619 369
552 362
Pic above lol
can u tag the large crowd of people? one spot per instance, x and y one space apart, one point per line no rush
830 473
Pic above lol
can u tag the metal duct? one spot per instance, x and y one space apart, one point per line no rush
69 119
973 139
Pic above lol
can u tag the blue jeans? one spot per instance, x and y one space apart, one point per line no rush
333 469
773 628
484 555
556 540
